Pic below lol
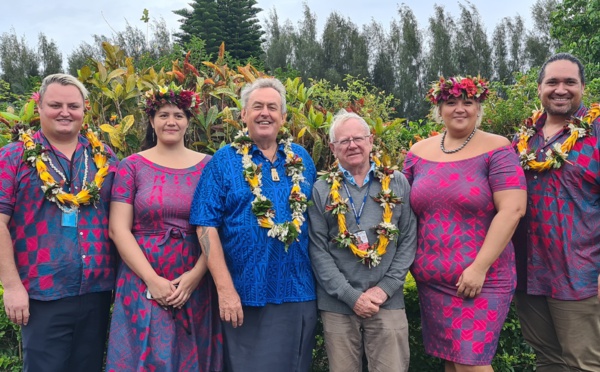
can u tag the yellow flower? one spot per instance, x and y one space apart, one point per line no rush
342 222
358 252
265 222
47 177
253 181
83 197
387 213
297 224
67 198
382 246
99 178
385 183
100 160
40 166
295 188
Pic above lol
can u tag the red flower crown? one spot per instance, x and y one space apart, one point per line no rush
186 100
460 87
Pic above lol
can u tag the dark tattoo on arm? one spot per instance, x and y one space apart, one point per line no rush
204 240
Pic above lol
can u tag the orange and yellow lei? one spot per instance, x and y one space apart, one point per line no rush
35 155
557 155
386 230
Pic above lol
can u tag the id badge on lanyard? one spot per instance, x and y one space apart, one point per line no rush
69 218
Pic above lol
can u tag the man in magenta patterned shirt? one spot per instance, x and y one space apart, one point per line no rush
57 265
559 238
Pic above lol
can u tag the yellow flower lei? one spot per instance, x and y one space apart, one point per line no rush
35 155
557 155
386 231
262 207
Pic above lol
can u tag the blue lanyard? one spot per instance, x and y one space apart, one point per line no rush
357 215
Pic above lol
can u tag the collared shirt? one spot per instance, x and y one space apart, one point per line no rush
262 271
561 228
350 178
55 261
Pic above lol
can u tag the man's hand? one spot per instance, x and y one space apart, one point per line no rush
16 304
378 296
230 308
365 307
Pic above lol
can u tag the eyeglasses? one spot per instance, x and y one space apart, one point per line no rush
357 140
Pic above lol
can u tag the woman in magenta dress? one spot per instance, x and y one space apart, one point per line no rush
164 318
468 192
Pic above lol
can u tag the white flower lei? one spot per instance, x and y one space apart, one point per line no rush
262 207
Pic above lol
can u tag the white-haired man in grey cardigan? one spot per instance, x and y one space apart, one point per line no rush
362 243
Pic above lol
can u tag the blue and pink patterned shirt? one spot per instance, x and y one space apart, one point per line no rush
560 235
262 271
55 261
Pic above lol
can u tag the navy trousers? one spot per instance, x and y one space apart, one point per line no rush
68 334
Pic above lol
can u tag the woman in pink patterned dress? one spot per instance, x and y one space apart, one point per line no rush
164 317
468 192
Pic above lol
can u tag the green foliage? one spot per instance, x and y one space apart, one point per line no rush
19 63
11 358
503 115
233 22
345 50
575 25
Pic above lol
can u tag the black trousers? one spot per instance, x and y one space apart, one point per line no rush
68 334
274 338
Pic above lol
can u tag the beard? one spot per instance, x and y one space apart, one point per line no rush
566 110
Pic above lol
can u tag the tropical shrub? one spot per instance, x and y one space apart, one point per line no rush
10 341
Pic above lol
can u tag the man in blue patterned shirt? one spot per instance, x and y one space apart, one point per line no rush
249 207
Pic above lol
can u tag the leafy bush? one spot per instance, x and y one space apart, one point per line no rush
11 358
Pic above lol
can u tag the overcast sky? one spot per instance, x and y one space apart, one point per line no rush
70 22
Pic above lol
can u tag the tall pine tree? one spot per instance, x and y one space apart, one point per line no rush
233 22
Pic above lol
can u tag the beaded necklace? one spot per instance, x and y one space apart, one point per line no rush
458 148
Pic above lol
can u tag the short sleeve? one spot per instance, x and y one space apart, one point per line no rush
208 205
407 170
124 187
8 176
505 172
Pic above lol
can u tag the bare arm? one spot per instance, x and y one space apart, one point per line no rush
16 298
120 223
230 305
510 205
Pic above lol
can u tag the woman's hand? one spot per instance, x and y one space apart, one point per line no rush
185 285
470 282
161 289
